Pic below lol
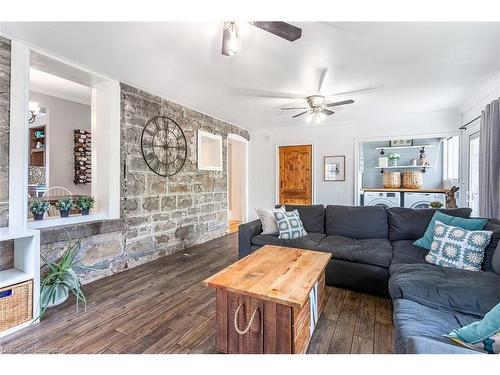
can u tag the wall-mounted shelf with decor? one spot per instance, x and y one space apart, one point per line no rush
83 165
402 147
422 167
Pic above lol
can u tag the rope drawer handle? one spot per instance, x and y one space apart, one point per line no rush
242 332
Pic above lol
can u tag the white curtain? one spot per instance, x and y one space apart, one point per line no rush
489 161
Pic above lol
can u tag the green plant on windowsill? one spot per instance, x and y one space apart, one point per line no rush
61 278
64 205
85 204
38 208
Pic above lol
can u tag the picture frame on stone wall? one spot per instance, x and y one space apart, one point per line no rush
334 168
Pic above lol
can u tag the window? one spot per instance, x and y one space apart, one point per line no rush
450 158
473 194
45 121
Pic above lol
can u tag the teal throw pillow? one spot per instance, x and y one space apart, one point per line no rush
457 247
470 224
483 335
289 224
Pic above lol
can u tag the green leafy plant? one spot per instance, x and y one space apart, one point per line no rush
62 274
394 156
436 204
85 203
39 207
65 204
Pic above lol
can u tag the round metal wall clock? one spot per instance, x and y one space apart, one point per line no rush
163 146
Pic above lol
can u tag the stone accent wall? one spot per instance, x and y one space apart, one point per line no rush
159 215
4 129
6 247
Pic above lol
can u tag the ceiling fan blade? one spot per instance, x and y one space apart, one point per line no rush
282 29
267 93
327 112
321 79
355 91
285 108
300 114
350 101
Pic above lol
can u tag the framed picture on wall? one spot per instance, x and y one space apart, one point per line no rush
334 168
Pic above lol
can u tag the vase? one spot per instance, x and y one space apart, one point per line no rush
85 211
38 216
61 295
393 162
64 213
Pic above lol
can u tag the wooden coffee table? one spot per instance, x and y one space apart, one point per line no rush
269 301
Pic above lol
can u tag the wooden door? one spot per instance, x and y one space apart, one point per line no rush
295 179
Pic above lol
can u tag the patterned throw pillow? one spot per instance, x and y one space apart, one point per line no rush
290 225
457 247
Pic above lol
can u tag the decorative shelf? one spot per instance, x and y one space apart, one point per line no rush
405 166
402 147
13 276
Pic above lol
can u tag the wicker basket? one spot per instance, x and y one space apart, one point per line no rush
412 179
392 180
16 304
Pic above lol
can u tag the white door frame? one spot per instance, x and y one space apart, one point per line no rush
244 203
464 159
277 168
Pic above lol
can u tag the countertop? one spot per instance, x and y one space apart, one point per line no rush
402 190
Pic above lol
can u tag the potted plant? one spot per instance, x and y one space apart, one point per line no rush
39 207
436 205
85 204
61 278
393 159
64 205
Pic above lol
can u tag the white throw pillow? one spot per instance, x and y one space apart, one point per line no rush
268 220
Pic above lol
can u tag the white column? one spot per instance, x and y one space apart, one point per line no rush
18 154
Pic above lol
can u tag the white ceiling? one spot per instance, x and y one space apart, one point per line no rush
400 68
49 84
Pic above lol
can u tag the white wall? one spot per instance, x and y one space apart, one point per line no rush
64 117
237 171
331 139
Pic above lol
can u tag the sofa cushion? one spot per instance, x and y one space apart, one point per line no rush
405 252
313 216
377 252
411 224
492 225
469 292
357 222
308 242
437 345
412 319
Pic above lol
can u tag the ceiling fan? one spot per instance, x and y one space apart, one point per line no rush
317 104
231 33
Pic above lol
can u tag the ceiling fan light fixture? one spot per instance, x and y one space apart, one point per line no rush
316 101
230 39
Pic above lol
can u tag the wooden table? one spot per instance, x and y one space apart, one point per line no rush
264 300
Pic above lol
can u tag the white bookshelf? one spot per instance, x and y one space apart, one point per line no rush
26 266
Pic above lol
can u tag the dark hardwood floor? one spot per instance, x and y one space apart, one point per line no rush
163 307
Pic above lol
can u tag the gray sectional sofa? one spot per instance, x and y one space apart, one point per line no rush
373 253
